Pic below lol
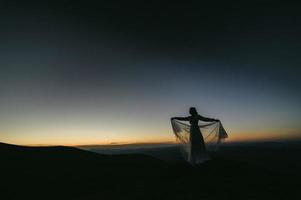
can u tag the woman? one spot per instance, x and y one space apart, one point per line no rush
197 152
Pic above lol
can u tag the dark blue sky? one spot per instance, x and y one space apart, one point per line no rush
87 72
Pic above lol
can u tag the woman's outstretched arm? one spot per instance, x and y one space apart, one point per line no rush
205 119
181 118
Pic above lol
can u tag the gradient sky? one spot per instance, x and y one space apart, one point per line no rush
76 72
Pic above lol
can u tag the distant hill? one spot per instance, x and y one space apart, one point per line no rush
71 173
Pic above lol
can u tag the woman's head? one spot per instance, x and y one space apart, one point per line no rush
193 111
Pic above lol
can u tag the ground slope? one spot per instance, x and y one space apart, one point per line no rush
71 173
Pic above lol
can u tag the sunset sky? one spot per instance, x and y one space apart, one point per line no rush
98 73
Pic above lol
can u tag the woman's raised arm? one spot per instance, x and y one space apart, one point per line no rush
181 118
205 119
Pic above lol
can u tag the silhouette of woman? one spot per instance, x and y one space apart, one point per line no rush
197 152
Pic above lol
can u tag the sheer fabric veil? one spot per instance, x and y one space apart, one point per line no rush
213 134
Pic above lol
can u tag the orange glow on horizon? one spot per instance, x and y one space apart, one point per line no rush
169 138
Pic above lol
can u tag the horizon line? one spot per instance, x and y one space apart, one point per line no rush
153 143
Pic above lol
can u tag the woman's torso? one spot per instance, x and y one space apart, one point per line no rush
194 121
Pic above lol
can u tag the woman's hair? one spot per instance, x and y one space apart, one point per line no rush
193 111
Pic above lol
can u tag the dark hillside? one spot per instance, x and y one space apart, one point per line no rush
71 173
